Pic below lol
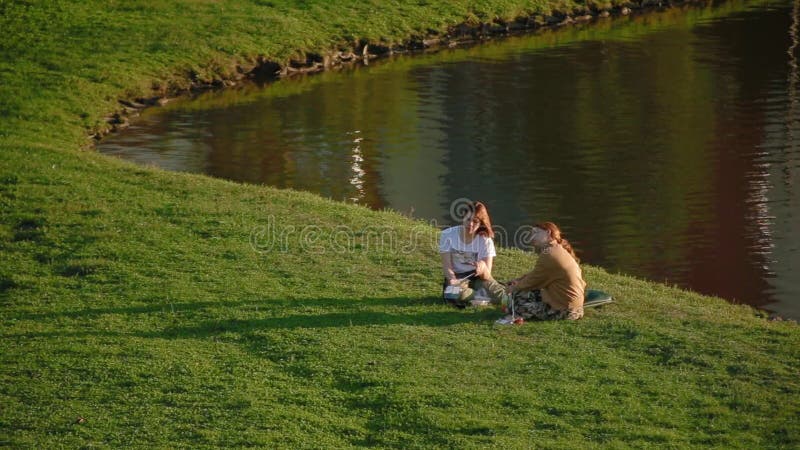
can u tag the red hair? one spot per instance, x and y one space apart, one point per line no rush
555 234
479 212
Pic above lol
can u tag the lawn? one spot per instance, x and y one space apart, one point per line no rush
142 308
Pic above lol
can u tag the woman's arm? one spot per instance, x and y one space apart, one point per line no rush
447 267
536 278
483 268
486 254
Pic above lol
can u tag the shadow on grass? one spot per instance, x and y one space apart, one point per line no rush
325 320
262 304
282 314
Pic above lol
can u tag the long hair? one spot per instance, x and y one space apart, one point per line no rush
480 212
555 234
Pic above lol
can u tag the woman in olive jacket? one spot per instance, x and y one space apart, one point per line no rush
554 289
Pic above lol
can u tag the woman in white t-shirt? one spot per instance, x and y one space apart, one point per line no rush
468 251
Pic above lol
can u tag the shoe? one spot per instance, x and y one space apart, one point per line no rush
507 320
510 320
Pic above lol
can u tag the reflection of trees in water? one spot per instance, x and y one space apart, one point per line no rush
246 146
306 142
784 163
753 205
568 137
794 77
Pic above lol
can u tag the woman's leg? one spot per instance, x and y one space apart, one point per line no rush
495 289
466 294
530 305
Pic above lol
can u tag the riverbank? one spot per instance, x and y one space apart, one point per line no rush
147 308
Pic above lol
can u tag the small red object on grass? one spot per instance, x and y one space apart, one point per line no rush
519 321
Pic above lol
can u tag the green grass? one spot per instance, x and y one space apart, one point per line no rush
151 304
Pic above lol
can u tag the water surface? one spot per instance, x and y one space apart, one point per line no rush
664 145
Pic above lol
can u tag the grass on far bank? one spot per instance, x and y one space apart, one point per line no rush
156 307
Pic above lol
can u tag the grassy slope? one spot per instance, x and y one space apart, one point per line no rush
134 298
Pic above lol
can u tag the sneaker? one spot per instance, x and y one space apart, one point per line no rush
507 320
480 302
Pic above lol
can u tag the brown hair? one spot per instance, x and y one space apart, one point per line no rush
555 234
479 212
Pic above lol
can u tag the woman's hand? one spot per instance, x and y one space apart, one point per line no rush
454 281
512 286
481 269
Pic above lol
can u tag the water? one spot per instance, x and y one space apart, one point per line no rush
663 145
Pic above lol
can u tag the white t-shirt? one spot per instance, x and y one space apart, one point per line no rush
465 255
